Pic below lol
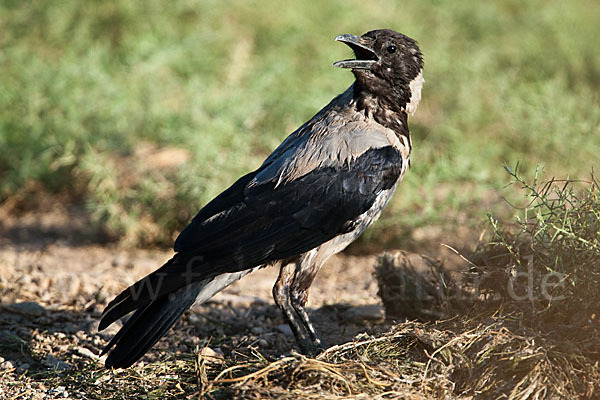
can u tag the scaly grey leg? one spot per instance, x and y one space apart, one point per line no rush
282 297
306 270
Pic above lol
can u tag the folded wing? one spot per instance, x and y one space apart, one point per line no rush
257 222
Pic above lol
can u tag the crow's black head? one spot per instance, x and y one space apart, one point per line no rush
388 66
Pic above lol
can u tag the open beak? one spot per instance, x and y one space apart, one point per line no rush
365 55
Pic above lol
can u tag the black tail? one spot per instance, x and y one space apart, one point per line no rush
145 327
152 320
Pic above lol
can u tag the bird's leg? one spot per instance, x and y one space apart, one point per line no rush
298 302
306 270
281 295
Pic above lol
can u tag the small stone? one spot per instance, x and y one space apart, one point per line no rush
368 313
196 319
183 348
7 365
285 329
28 308
211 355
257 330
263 343
59 391
56 364
23 367
84 352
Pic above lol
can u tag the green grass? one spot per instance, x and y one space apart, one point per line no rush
84 83
551 255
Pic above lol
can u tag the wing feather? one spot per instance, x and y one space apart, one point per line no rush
255 221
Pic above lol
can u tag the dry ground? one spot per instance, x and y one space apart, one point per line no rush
55 279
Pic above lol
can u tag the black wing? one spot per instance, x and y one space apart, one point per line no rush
257 224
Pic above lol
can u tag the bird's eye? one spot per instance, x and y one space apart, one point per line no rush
391 49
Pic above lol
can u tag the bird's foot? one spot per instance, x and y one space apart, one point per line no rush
311 348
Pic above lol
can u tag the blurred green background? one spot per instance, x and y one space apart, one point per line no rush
145 110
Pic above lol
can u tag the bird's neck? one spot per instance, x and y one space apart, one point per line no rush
389 111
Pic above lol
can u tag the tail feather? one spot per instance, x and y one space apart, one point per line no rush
151 321
178 273
142 293
143 330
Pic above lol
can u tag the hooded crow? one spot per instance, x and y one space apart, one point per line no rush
313 196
